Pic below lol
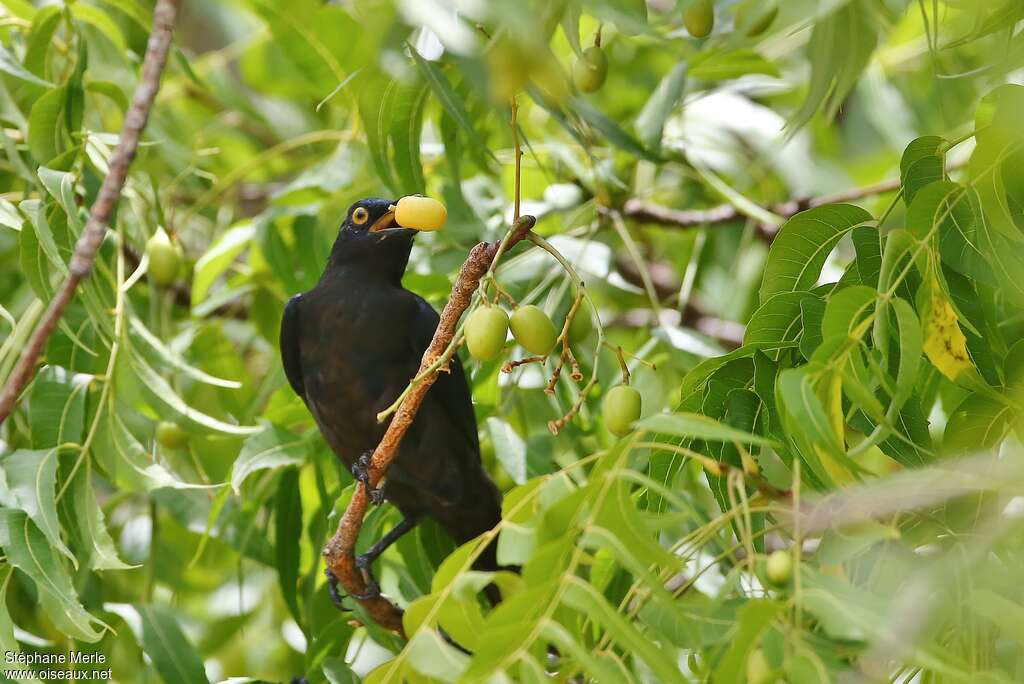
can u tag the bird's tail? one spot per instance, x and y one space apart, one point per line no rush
474 517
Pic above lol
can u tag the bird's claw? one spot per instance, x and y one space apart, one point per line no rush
363 562
337 597
361 472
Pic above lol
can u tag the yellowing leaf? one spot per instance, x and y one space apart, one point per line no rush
944 342
830 391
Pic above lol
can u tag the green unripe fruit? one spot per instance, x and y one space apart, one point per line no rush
421 213
590 70
164 259
486 331
758 669
170 435
620 408
533 329
779 568
582 323
754 20
699 18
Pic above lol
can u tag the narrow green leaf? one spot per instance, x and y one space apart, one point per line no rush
509 447
583 597
723 65
288 538
156 351
173 655
92 537
696 426
269 448
162 396
650 123
752 621
218 257
10 65
611 130
451 102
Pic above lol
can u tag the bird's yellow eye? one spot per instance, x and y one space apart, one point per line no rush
360 216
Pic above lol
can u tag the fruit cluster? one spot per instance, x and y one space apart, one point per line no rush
487 330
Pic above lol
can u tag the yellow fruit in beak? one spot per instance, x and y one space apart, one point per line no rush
421 213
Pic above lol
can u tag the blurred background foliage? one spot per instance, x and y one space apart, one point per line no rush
164 496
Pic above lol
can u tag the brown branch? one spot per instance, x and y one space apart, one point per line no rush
657 214
339 550
106 201
649 212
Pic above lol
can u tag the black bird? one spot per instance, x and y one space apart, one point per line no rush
350 346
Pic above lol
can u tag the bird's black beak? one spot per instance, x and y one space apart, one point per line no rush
386 226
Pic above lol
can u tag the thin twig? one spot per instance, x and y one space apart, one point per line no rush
106 201
339 551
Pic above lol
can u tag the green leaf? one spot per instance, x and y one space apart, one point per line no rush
868 247
925 146
583 597
723 65
269 448
218 257
696 426
57 407
978 422
1004 613
807 417
288 538
155 351
337 671
777 319
8 643
432 656
922 173
650 123
451 103
30 478
10 65
162 397
840 49
799 250
406 127
509 447
46 126
125 462
173 655
611 130
30 551
91 536
846 611
846 310
911 345
752 621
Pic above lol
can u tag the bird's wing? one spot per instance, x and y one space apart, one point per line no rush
290 355
451 389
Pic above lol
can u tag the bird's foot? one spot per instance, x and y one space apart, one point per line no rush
337 597
363 562
361 471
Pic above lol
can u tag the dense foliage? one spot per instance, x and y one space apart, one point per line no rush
827 479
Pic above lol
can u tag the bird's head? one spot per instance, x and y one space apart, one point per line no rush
370 237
